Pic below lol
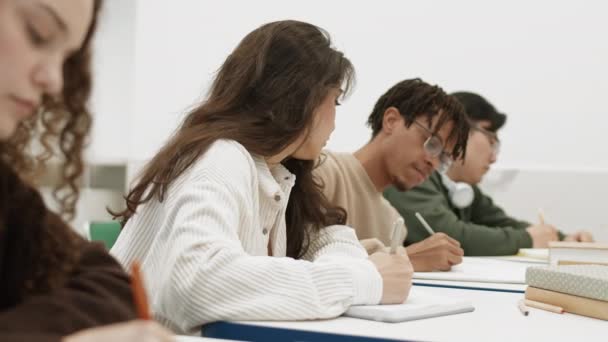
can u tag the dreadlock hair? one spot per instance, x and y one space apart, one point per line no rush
414 98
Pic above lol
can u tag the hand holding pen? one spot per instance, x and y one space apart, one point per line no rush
395 269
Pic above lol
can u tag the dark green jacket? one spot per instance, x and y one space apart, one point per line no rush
482 229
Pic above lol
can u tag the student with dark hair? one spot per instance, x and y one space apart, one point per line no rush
227 219
52 282
416 128
452 203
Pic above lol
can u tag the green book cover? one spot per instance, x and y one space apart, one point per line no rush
590 281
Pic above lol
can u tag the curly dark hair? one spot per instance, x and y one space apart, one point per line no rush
63 124
414 98
263 97
34 236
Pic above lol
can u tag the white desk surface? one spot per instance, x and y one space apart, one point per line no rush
496 318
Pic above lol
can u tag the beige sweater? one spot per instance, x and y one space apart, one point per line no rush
347 184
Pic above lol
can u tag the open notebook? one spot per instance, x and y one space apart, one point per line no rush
528 255
484 270
419 305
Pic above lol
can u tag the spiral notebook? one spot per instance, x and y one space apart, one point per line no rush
419 305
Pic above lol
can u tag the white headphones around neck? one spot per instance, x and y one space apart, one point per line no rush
461 194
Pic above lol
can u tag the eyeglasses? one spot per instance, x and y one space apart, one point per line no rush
492 137
433 146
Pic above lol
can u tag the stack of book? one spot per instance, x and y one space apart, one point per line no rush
574 253
578 289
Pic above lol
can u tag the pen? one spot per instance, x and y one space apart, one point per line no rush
424 223
522 308
397 238
139 293
543 306
541 216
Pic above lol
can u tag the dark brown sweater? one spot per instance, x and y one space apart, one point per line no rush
52 282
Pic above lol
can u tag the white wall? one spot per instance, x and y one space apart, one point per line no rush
113 97
570 200
541 62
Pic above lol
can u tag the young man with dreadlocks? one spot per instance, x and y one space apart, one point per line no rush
416 128
473 219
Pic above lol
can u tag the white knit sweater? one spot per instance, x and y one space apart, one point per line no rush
204 249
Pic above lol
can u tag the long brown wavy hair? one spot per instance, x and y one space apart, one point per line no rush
263 97
40 249
61 126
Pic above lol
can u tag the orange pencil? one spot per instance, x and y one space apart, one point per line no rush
139 293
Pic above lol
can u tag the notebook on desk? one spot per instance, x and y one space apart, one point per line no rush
419 305
483 270
527 255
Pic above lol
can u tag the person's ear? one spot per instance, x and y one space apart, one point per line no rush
391 119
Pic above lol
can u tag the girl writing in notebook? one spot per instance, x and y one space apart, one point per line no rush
53 283
226 218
